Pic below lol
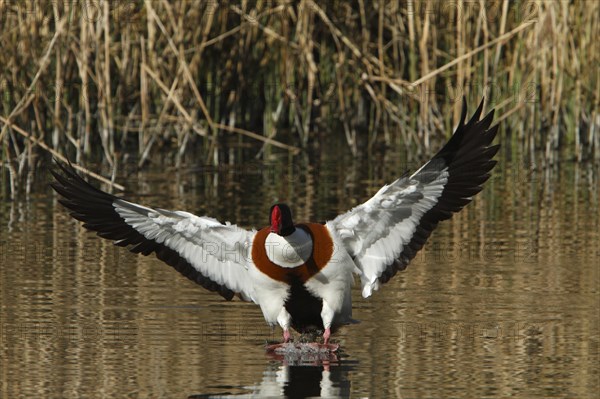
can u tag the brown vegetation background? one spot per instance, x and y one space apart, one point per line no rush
112 79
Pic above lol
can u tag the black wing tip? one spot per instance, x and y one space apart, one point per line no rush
67 168
476 115
475 135
65 177
71 185
486 121
492 150
463 112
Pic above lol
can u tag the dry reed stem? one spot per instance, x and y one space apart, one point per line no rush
268 31
367 60
174 99
184 64
43 65
471 53
58 155
291 148
201 132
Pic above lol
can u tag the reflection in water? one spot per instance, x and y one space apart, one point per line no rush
501 302
327 380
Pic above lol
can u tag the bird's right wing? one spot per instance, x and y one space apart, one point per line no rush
209 253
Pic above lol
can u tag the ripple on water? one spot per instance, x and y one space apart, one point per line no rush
502 302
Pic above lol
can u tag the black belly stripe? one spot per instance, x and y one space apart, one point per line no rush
303 307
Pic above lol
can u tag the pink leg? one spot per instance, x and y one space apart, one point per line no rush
286 336
326 335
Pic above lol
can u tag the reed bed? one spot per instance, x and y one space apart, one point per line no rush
123 79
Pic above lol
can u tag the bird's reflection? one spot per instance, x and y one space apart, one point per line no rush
299 377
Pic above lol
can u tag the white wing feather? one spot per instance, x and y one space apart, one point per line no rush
375 233
217 251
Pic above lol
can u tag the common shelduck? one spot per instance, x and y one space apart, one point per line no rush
299 274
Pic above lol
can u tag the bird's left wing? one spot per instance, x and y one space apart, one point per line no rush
384 234
209 253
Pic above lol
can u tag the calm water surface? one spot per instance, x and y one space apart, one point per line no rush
502 302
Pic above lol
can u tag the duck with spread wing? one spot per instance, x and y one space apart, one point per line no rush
300 274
